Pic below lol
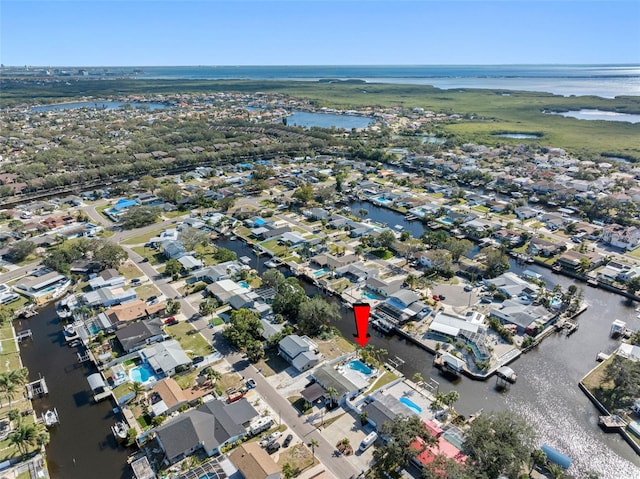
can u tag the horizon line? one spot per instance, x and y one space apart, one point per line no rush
632 64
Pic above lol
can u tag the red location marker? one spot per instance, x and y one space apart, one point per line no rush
361 311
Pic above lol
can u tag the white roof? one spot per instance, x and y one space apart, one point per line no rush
452 325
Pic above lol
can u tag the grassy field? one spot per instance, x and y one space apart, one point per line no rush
143 238
191 341
129 270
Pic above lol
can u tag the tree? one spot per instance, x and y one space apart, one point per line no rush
457 247
313 444
170 193
243 329
226 203
255 351
6 314
625 375
315 315
385 239
633 285
399 449
443 467
172 267
137 389
110 255
138 216
148 183
208 306
173 306
496 261
21 249
499 443
191 237
272 278
417 378
288 472
537 459
289 296
213 375
332 392
23 436
304 194
15 225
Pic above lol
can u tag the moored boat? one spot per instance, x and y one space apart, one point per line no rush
120 430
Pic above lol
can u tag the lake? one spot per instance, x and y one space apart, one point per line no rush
327 120
99 105
589 114
517 136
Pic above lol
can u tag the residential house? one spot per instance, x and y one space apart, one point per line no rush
544 247
381 408
400 307
317 214
527 318
122 314
173 249
218 272
107 279
139 334
327 260
42 285
357 272
329 377
209 427
511 285
508 237
624 237
383 287
254 462
166 397
573 261
109 296
525 212
299 351
225 289
165 357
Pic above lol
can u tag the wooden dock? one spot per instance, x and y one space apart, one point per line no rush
25 334
37 388
612 422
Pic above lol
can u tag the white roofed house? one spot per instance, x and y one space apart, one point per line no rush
511 285
299 351
527 318
165 357
43 285
624 237
107 278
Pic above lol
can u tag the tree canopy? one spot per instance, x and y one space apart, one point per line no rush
289 296
315 315
138 216
499 443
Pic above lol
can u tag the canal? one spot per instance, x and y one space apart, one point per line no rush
82 445
547 392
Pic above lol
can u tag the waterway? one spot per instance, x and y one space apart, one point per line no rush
309 119
546 393
591 114
82 445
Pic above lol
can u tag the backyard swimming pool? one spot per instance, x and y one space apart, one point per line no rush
142 373
360 366
244 284
369 295
320 272
411 405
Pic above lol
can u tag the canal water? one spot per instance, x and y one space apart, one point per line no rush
82 445
547 392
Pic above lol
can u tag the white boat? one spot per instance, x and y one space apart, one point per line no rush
120 430
271 264
50 417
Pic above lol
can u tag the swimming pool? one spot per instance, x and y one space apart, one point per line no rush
369 295
142 373
411 405
320 272
244 284
446 220
360 366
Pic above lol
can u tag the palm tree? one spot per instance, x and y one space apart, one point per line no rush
313 444
557 471
10 389
213 375
137 389
332 393
23 436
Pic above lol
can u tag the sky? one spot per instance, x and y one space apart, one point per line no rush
318 32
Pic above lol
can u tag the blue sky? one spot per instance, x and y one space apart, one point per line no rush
307 32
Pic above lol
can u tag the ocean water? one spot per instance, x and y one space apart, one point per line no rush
600 80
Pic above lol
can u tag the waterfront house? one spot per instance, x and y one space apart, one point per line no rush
381 408
166 397
624 237
107 279
383 287
109 296
165 357
42 285
511 285
189 263
299 351
572 260
122 314
527 318
208 428
430 453
225 289
402 306
140 334
173 249
254 462
218 272
544 247
329 377
327 260
316 214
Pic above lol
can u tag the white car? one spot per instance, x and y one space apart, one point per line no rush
270 438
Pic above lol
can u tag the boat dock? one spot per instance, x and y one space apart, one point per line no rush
612 422
37 388
24 334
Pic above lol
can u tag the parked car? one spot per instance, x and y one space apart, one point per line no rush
270 438
136 281
170 320
197 359
251 383
468 288
436 297
287 440
273 447
152 300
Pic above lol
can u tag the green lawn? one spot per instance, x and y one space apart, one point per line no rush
145 291
190 339
386 378
143 238
129 270
151 254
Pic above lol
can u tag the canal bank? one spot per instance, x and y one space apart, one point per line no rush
82 445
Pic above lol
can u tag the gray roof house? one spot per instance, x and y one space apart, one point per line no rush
209 427
107 278
138 335
109 296
299 351
328 377
521 315
165 357
173 249
511 285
